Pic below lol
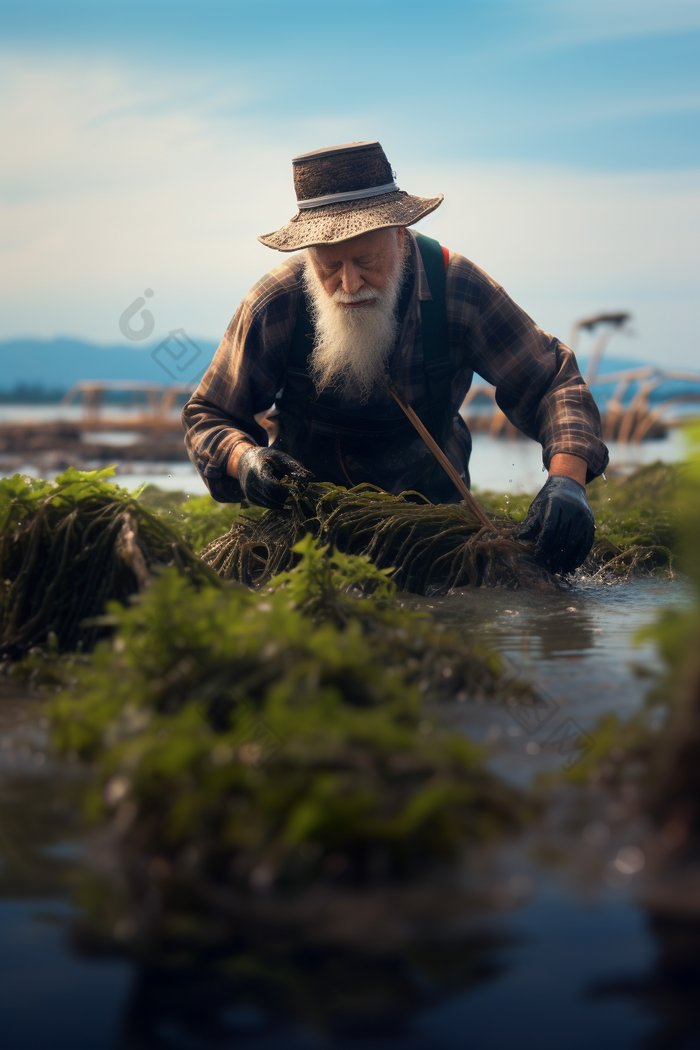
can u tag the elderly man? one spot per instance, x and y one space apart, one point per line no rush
300 383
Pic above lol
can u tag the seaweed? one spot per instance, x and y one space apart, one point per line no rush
199 519
673 763
637 520
433 549
430 549
250 742
250 739
69 546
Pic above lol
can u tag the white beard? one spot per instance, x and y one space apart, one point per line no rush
352 347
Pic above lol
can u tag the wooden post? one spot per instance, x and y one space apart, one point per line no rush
473 504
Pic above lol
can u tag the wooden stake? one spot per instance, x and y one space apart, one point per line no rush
474 506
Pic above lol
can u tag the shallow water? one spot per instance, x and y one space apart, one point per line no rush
561 955
577 646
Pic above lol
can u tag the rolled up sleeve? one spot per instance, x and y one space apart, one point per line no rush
568 419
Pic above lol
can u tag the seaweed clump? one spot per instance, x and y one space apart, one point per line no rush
637 520
69 546
433 549
199 519
430 549
248 740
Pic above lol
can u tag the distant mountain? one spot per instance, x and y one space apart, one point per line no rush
611 364
56 364
37 369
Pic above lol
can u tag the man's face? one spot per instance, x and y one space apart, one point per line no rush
353 290
361 264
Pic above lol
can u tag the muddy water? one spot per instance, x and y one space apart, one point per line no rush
561 953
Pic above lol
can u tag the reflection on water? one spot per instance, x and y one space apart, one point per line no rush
667 991
553 956
301 995
208 987
577 646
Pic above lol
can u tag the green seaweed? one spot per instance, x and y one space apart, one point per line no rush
277 737
674 763
199 519
430 549
434 549
247 740
637 519
69 546
66 547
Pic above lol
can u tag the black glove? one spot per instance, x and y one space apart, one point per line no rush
561 522
260 473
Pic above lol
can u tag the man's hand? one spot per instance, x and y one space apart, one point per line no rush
562 524
260 472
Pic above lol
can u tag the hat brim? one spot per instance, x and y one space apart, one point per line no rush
332 223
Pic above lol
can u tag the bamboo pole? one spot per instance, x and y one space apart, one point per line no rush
474 506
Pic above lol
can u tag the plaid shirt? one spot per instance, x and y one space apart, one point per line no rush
538 384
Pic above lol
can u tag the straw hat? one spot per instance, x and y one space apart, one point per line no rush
343 191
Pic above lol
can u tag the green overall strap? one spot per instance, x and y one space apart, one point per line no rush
298 387
436 351
302 339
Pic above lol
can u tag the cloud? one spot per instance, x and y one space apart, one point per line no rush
118 180
113 183
566 244
586 21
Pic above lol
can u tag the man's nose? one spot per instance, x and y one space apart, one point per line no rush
351 279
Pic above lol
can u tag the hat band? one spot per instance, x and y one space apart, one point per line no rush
349 195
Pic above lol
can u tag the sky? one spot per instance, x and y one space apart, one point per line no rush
146 145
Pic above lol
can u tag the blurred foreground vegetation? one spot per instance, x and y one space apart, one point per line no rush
259 738
242 740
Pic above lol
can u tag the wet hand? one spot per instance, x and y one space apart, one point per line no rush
561 523
260 474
